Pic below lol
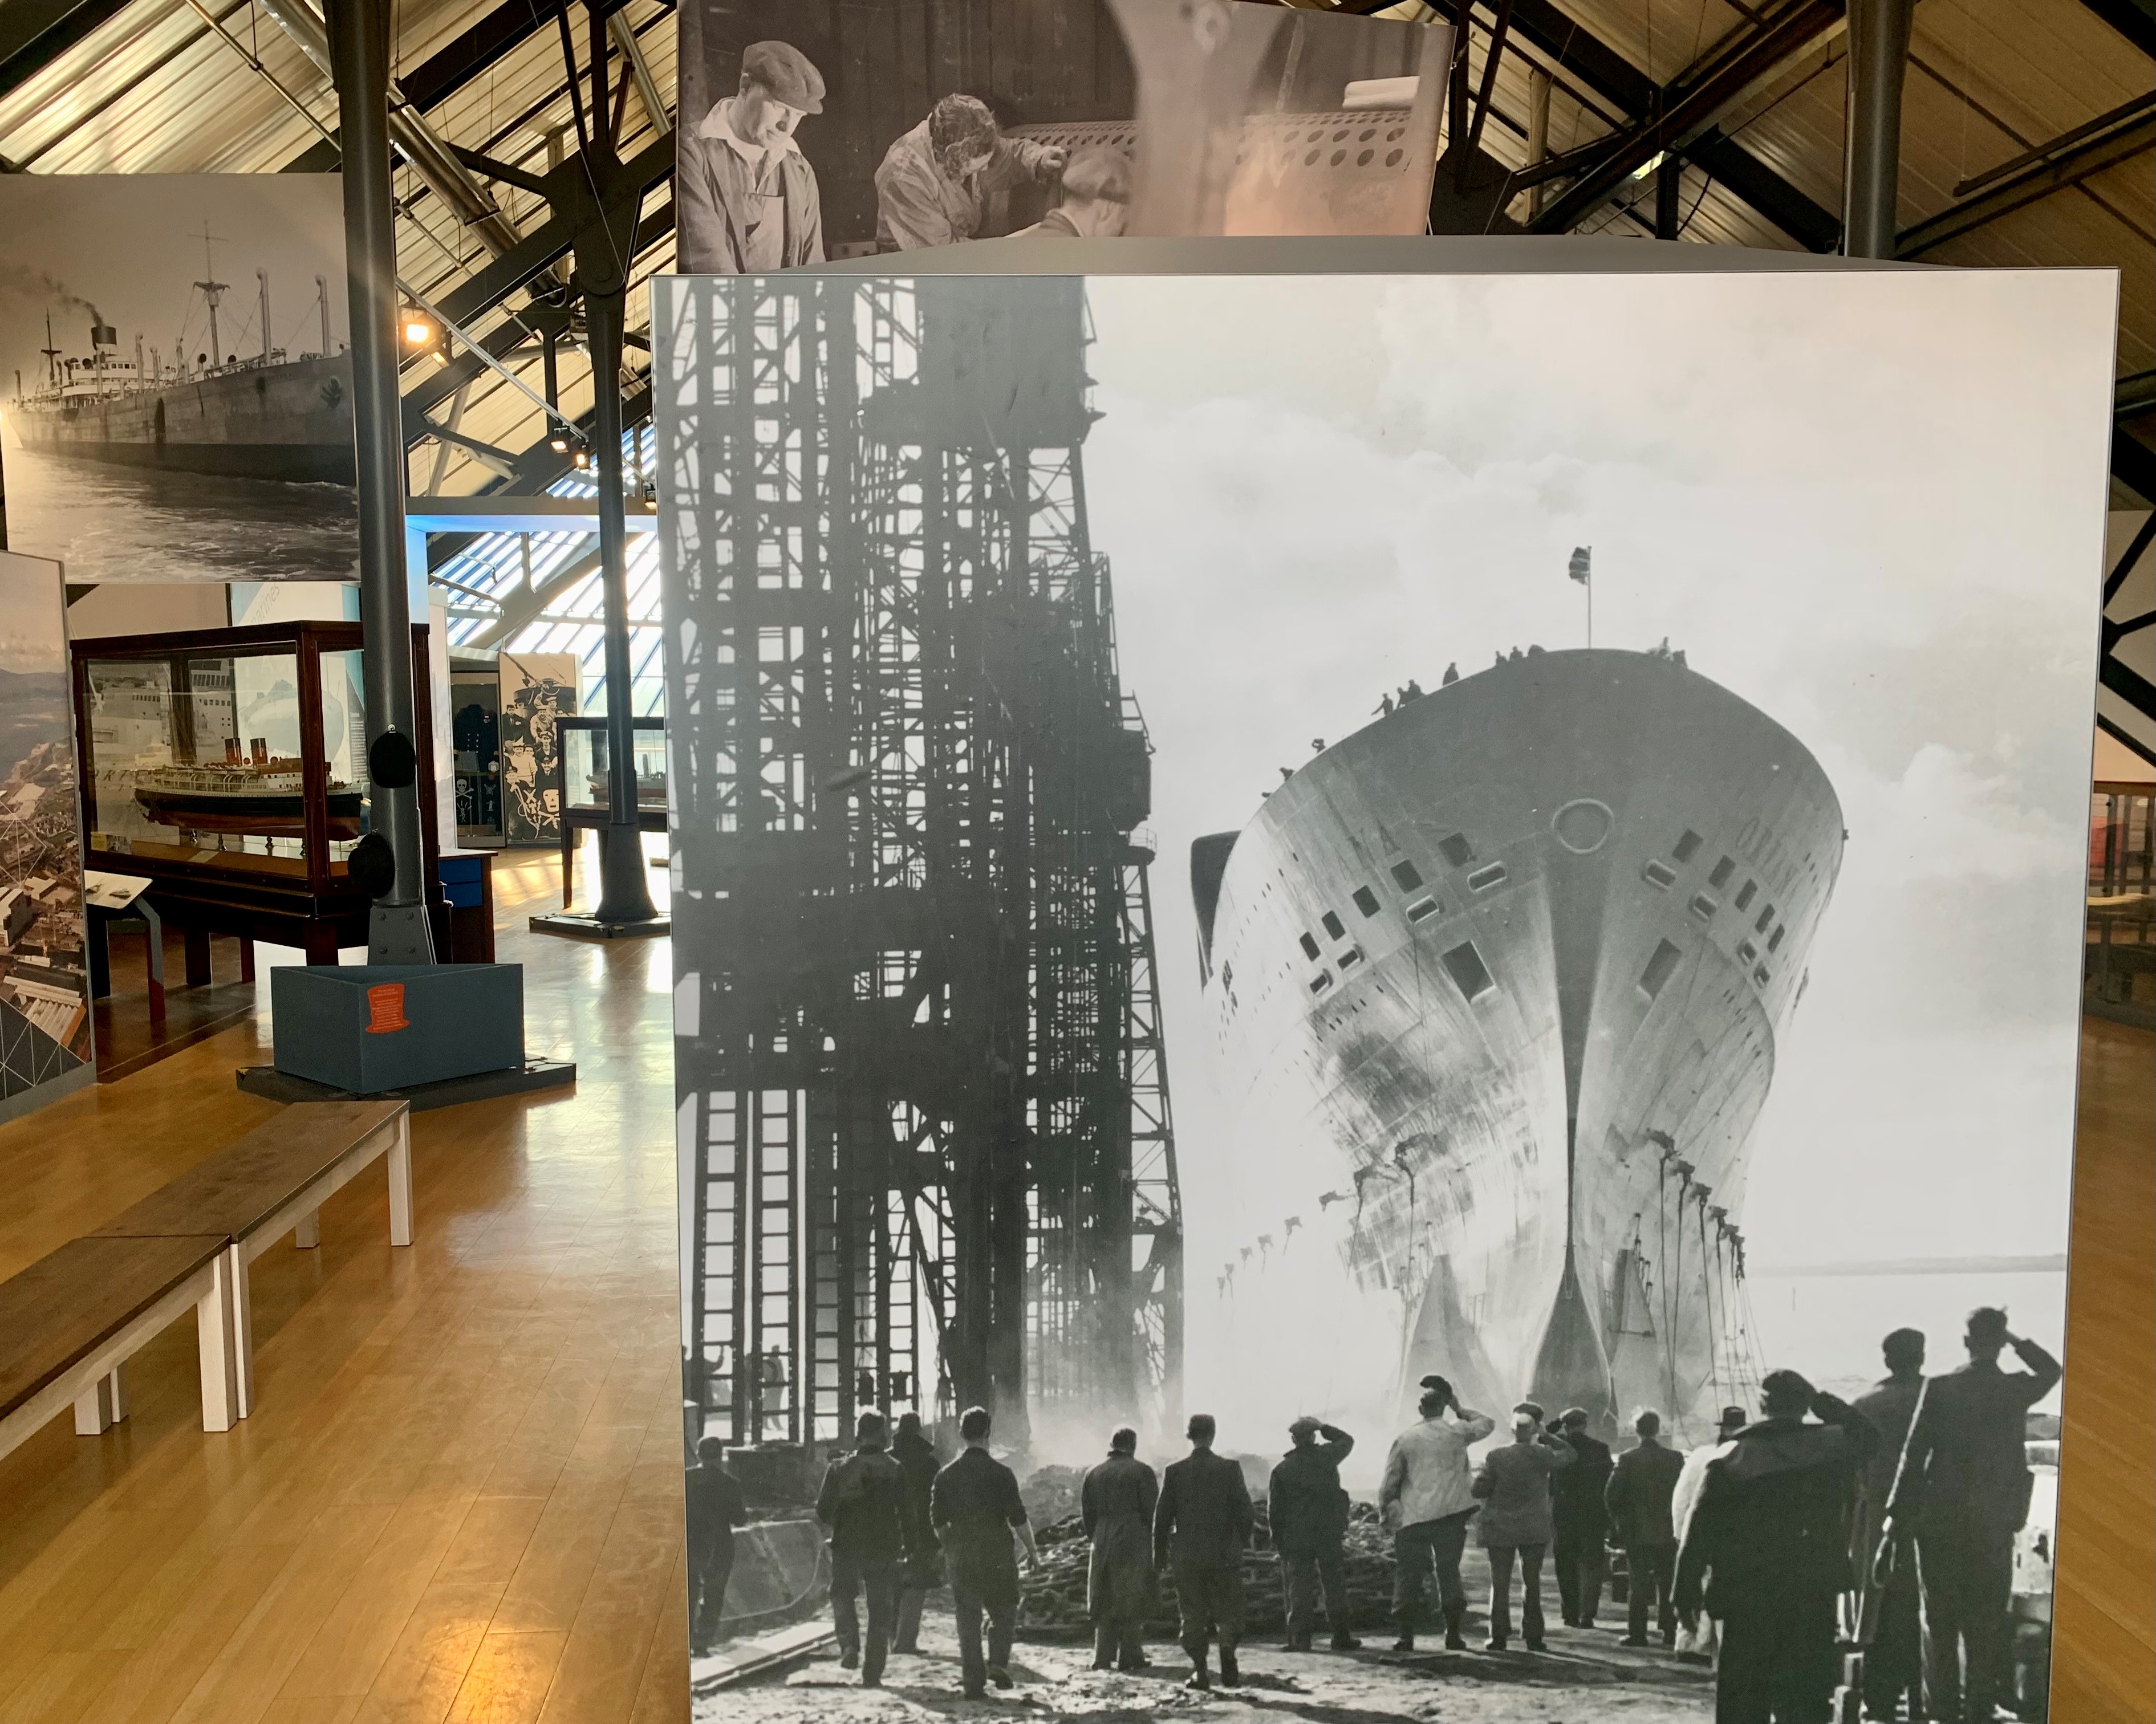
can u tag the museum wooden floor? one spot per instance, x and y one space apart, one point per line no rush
459 1498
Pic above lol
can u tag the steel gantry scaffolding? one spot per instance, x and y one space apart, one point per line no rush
924 1107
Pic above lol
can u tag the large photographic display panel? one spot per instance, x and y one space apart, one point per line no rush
816 129
535 690
1595 827
44 983
175 387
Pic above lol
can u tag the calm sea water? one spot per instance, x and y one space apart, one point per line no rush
1829 1326
115 523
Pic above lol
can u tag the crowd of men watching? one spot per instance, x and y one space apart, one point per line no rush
1888 1523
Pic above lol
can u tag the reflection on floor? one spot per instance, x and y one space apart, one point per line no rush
128 1039
460 1497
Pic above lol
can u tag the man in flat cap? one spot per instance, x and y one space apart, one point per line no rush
748 197
1096 198
1306 1508
935 182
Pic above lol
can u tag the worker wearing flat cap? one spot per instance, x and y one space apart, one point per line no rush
1306 1510
748 197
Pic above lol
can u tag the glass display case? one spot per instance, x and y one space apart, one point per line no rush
582 790
586 750
234 760
476 741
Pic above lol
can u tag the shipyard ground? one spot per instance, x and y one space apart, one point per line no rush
1585 1675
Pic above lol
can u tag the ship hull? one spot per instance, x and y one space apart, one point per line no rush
268 815
1533 1073
290 422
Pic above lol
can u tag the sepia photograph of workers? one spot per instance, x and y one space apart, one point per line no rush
824 129
1602 1252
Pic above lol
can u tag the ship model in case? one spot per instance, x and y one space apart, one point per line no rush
228 767
263 795
1515 959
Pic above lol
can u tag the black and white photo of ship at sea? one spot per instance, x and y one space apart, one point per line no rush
175 387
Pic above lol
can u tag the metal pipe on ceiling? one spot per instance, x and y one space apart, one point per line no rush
431 159
647 86
1878 64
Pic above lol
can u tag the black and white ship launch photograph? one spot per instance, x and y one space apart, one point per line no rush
175 376
1466 752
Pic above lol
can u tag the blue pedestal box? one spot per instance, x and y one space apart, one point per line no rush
368 1028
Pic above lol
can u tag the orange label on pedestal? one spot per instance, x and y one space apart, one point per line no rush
385 1005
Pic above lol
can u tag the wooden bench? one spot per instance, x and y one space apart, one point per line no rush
71 1320
272 1182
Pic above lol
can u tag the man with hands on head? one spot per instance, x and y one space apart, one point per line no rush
1963 1490
1306 1509
1426 1500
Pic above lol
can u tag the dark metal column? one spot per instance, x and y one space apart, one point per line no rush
397 932
623 895
1878 63
1669 199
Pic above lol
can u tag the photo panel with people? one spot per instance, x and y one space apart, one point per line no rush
1592 772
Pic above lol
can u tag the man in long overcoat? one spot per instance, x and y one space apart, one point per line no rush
1116 1505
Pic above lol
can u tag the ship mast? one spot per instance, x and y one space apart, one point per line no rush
262 288
322 303
52 354
212 290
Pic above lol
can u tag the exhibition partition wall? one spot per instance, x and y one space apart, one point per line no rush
1628 735
44 983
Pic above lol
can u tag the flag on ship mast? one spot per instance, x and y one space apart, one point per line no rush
1582 557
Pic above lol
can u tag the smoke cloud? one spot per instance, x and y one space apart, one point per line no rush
20 280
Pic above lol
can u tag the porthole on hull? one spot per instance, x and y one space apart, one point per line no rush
1582 825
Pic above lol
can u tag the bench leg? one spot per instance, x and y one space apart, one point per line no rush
103 1405
308 1234
243 1331
399 1159
216 1343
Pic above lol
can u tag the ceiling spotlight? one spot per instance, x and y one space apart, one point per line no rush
418 329
583 458
558 443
